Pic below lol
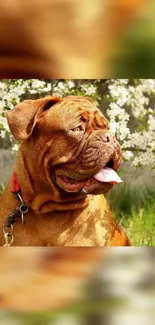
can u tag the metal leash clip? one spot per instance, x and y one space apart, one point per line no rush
23 209
8 235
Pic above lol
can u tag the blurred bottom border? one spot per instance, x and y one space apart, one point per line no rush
112 286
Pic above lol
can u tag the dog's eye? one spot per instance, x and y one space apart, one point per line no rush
79 128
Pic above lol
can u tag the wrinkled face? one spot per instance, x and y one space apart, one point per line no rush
74 143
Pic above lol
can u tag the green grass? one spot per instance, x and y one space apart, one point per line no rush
134 210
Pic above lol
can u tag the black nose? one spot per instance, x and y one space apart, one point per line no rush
106 137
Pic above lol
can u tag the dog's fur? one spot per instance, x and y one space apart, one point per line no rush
64 142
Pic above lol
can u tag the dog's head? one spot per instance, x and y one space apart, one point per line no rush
70 141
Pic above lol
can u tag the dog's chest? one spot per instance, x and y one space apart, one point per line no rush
52 229
42 230
71 228
81 227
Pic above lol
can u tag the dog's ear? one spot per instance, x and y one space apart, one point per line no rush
23 118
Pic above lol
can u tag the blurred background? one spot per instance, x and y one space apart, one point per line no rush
114 286
129 104
77 39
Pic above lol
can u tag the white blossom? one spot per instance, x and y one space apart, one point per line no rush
89 89
151 122
127 100
70 84
61 85
127 155
145 159
15 147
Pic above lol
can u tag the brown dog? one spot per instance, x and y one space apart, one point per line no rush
66 143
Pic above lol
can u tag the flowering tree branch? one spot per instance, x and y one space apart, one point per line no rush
128 100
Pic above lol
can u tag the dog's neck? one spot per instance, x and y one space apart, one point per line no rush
39 195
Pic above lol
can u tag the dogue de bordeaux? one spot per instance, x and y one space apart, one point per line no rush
67 160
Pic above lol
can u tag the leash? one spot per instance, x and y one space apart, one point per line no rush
19 212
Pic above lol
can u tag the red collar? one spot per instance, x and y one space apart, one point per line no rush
14 187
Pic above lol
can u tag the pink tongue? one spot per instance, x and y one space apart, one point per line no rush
108 175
